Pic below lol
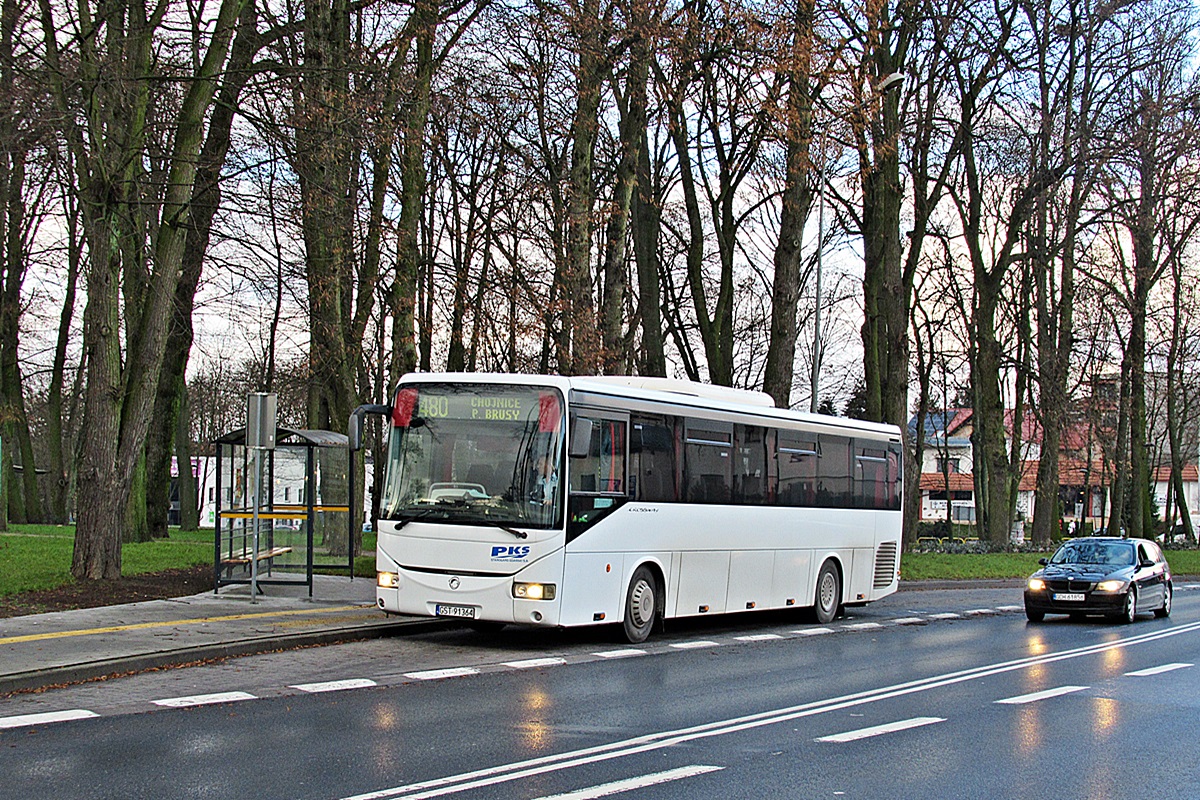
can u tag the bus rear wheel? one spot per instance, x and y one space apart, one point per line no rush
641 606
828 595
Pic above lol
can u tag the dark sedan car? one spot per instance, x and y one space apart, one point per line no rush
1119 578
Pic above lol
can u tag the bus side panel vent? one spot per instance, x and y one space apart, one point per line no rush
885 565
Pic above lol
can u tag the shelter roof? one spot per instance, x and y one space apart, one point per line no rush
291 436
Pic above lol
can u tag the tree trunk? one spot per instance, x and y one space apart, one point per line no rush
796 202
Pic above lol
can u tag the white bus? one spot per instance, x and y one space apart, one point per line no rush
555 501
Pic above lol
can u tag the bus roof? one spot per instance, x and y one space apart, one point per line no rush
663 390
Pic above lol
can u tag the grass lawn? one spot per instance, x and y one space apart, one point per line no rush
963 566
39 556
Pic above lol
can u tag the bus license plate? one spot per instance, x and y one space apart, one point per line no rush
443 610
1069 597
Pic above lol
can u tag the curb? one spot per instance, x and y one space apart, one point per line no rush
33 680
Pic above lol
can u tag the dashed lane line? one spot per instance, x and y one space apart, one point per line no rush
879 730
627 652
25 720
203 699
439 674
335 686
1146 673
1045 694
695 644
533 663
629 784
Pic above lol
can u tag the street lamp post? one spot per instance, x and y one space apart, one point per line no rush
884 85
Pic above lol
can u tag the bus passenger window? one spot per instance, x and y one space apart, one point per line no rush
835 479
707 465
797 456
602 470
652 472
750 465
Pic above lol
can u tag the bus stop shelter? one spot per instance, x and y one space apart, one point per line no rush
302 513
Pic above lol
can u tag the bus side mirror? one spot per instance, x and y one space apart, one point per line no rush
354 429
581 437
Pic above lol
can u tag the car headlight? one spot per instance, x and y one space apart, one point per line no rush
533 591
1037 585
1110 586
387 580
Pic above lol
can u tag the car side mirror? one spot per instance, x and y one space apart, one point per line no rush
1043 561
1145 563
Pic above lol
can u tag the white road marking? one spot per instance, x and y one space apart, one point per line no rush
1191 586
1145 673
438 674
909 621
24 720
758 637
862 626
813 631
979 612
1043 695
1010 608
335 686
945 615
203 699
691 645
533 663
629 784
660 740
626 653
879 730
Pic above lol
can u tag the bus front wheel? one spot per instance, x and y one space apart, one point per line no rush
641 606
828 595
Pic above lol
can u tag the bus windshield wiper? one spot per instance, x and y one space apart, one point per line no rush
503 527
420 513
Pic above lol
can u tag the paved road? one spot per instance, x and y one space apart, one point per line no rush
898 701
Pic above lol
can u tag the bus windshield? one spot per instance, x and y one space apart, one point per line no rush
475 454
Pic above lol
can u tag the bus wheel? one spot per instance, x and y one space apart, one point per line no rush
828 595
641 606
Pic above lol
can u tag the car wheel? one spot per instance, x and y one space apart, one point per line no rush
1034 616
828 595
641 606
1165 611
1129 612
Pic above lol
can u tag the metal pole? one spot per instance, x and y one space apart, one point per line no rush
816 363
254 547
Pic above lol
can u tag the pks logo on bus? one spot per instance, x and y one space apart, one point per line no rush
510 553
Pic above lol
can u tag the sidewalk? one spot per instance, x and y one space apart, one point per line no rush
71 646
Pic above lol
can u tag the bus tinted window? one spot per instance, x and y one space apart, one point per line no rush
871 487
835 480
602 470
750 476
707 467
652 462
796 458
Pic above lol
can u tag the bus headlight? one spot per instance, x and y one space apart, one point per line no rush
533 591
1037 585
387 580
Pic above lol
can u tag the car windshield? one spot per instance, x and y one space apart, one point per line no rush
480 454
1114 554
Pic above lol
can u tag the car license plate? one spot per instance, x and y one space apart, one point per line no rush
443 610
1070 597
